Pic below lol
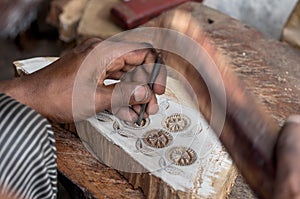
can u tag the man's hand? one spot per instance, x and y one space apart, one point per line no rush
72 88
287 183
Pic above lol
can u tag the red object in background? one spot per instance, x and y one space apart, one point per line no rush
132 13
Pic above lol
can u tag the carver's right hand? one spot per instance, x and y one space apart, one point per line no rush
72 88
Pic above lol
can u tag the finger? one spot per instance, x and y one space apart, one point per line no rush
126 114
138 109
152 107
133 58
125 94
160 81
141 95
128 68
143 73
138 74
117 75
139 57
287 183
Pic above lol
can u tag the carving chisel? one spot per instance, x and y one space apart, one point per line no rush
151 81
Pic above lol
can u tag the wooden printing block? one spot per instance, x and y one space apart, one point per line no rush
173 154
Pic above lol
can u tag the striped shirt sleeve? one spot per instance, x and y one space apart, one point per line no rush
27 152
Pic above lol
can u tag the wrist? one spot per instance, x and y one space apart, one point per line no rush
20 90
9 87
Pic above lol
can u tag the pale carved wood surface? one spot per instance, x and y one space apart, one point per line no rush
210 176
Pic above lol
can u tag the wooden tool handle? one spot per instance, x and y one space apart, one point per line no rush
132 13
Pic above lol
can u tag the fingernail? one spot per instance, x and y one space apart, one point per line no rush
293 119
140 93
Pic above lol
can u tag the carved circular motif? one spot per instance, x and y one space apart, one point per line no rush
176 122
141 147
158 138
144 123
181 156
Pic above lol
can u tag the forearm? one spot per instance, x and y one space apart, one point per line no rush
21 90
11 87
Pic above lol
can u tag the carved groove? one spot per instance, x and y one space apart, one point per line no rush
181 156
176 122
158 138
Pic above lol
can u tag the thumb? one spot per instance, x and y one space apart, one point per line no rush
122 96
130 93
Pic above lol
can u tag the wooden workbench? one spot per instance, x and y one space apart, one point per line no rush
269 69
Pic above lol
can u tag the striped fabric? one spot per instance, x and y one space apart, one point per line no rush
27 152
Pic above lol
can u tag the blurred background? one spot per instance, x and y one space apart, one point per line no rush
34 28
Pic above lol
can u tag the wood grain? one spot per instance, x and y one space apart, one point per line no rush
93 179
